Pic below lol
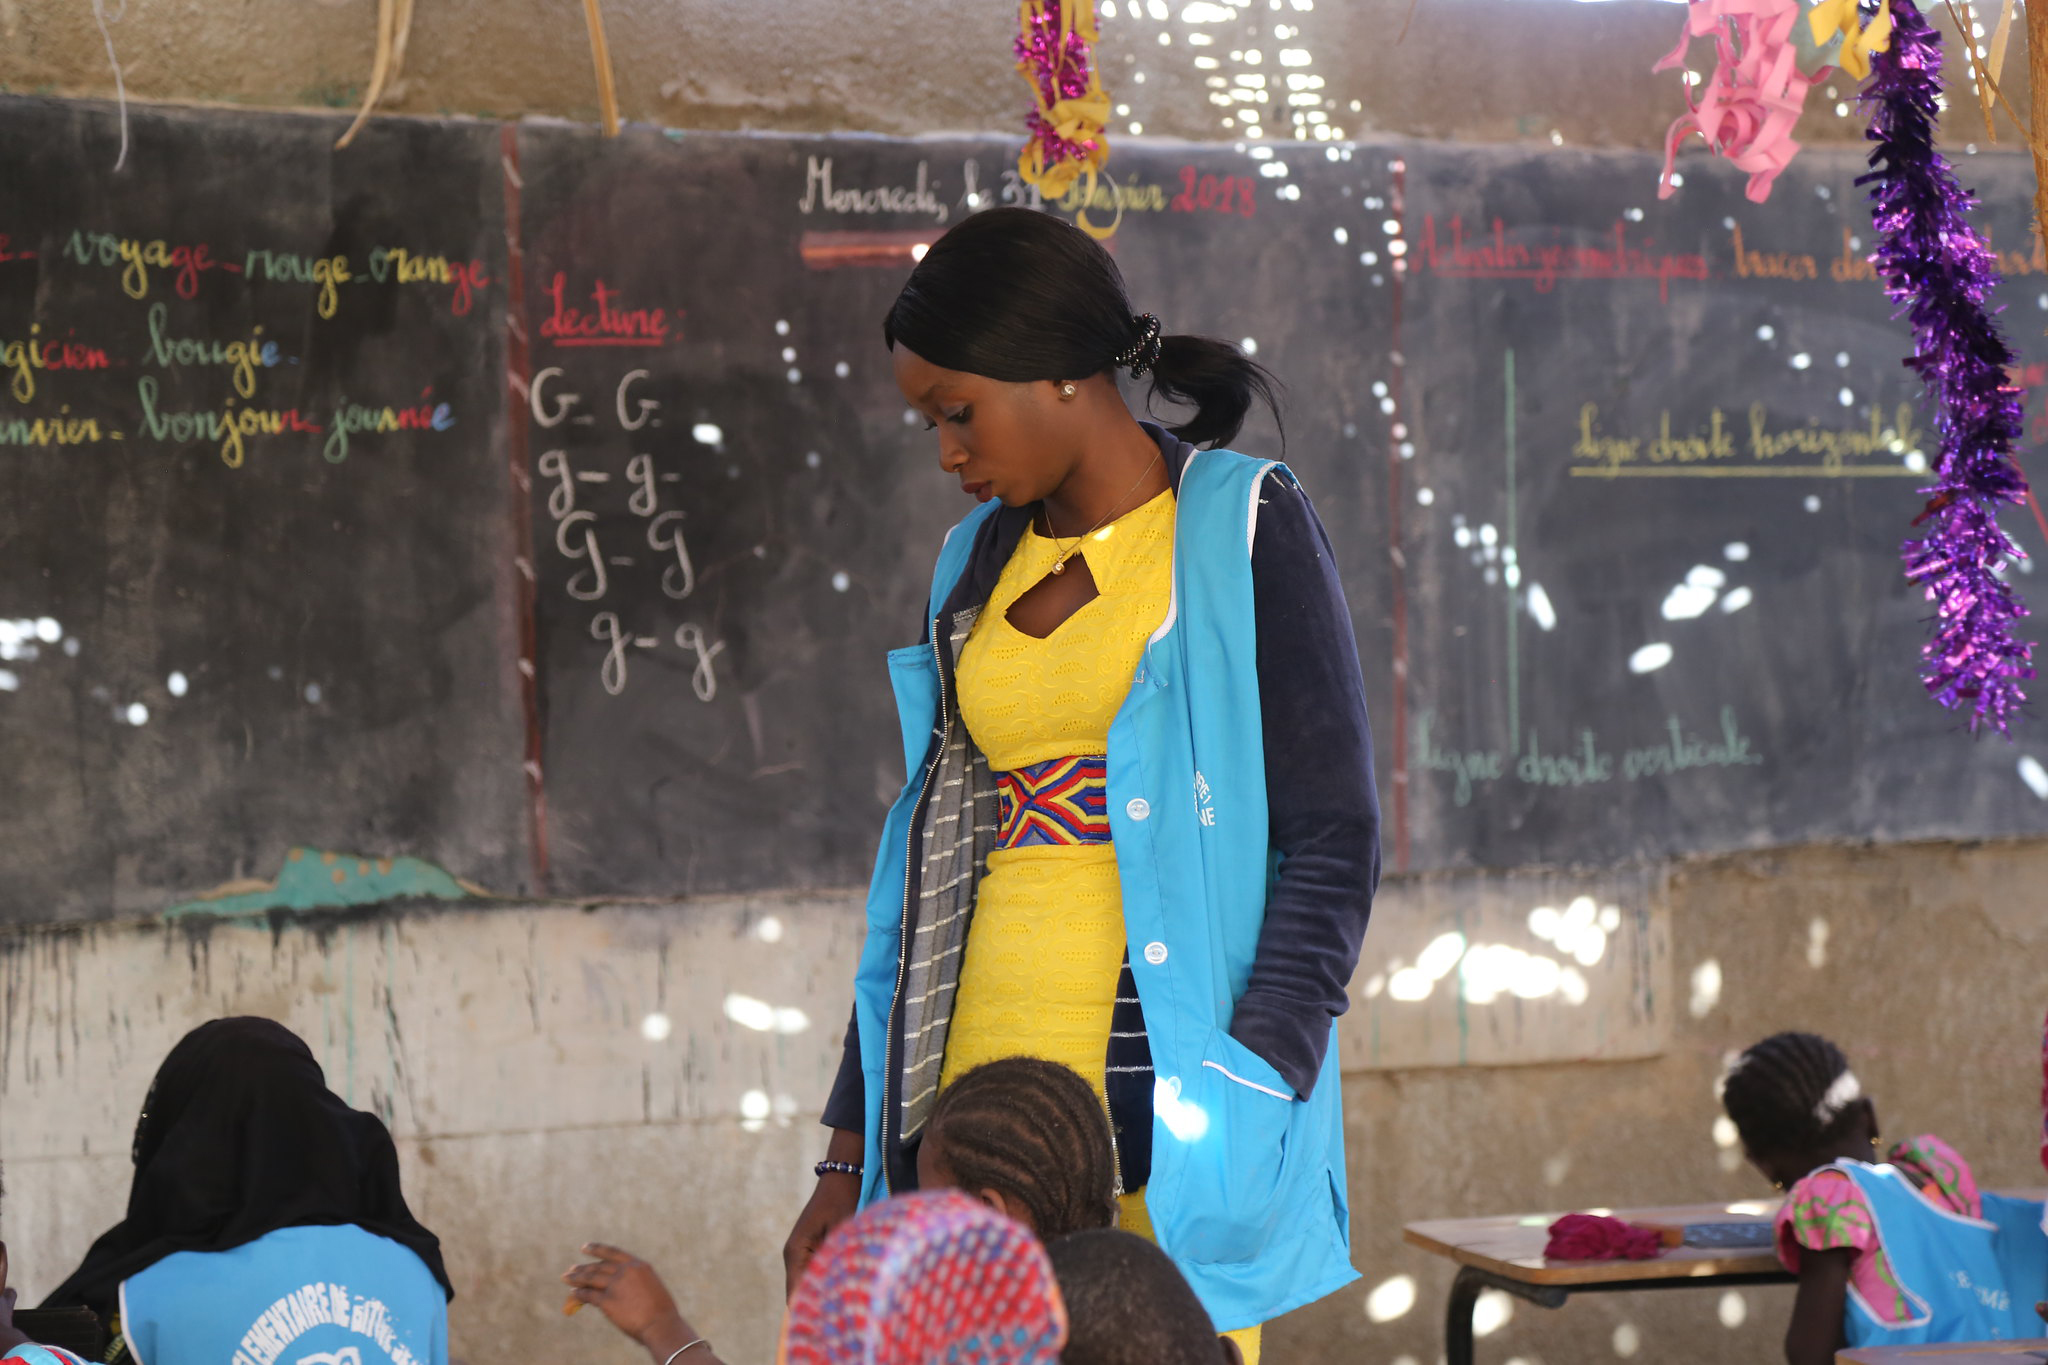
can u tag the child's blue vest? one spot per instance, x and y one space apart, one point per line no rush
1247 1189
327 1295
1965 1279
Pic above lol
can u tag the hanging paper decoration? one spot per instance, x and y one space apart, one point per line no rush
1055 53
1938 270
1748 106
1859 42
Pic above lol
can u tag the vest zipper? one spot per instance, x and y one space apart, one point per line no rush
903 929
1116 1161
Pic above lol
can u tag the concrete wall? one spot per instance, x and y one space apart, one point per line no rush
650 1074
1495 70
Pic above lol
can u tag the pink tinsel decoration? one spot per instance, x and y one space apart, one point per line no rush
1748 106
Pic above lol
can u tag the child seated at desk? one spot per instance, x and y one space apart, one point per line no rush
1897 1250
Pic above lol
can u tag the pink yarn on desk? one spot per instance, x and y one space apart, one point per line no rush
1590 1237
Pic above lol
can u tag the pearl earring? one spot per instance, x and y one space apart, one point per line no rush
1066 390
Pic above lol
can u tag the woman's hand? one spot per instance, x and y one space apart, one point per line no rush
633 1297
834 1201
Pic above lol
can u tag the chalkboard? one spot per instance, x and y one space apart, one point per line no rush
1616 487
1577 650
1664 457
733 513
254 526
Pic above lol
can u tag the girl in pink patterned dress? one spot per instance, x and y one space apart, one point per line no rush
1888 1248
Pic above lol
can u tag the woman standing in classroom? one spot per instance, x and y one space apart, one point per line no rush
1140 833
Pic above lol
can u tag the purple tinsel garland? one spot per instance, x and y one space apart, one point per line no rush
1938 269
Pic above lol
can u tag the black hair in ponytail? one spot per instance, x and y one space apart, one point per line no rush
1017 295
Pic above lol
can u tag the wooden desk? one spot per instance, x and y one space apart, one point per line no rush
1959 1353
1506 1253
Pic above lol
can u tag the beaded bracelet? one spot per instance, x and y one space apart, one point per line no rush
825 1168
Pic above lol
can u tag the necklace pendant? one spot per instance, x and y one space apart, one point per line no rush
1059 566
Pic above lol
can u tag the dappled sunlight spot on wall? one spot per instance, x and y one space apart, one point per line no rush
1727 1144
1650 658
1492 1311
758 1109
2034 775
1817 943
1706 989
1488 969
1580 931
1391 1298
656 1027
763 1017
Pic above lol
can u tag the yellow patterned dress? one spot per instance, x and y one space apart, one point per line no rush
1039 975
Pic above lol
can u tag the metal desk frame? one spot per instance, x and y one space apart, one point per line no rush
1471 1280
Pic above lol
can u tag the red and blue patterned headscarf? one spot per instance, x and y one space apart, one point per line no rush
927 1279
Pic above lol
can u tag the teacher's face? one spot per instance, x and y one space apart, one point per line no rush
1015 442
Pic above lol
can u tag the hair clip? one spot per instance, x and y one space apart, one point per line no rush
1142 354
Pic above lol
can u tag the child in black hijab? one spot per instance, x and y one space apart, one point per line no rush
265 1221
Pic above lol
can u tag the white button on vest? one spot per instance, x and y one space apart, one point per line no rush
1155 953
1138 808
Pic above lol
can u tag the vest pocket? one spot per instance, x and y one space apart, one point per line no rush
1234 1194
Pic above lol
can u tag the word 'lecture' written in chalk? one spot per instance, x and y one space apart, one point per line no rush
611 323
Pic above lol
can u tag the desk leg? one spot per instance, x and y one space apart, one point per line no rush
1458 1316
1465 1293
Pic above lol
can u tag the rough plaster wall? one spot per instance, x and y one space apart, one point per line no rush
505 1046
508 1051
1495 70
1932 976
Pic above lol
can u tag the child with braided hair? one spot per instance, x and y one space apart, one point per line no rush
1027 1138
1030 1139
1902 1249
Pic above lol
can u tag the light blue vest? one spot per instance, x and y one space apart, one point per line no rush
1247 1190
296 1296
1965 1279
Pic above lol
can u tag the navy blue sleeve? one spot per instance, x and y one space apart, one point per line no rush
1320 797
847 1107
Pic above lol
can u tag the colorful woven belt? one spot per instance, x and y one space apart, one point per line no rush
1059 801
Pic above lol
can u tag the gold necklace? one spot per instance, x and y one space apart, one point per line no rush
1059 563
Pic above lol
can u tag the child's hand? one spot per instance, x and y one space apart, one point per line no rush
630 1294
